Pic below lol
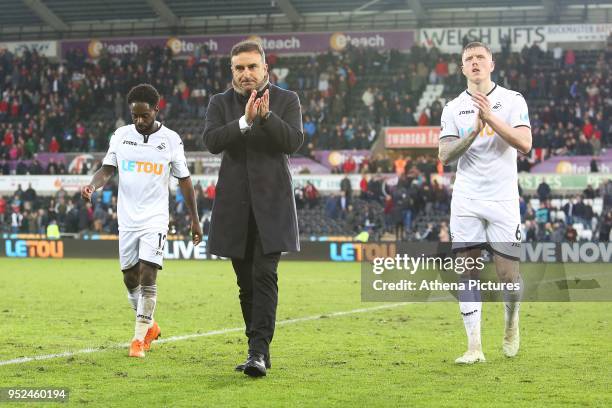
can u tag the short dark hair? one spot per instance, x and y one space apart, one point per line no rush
143 93
248 46
476 44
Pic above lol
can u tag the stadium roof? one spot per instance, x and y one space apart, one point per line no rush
22 19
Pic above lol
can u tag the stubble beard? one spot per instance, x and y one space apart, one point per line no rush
258 87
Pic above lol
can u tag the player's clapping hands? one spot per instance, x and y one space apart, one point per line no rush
478 124
482 103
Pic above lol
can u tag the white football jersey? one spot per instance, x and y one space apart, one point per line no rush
487 170
144 175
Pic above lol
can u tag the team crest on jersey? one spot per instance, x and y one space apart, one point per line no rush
497 106
162 146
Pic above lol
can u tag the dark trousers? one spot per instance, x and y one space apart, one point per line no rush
257 280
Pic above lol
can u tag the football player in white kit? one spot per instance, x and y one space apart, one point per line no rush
145 154
483 128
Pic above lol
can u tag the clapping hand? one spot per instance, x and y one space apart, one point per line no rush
482 103
252 107
264 105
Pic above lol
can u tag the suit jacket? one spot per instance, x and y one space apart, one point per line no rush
254 173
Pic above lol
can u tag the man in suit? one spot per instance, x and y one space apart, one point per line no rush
256 126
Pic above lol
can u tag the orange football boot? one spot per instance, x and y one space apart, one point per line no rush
153 333
137 348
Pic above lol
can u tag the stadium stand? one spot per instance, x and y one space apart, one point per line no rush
410 210
347 96
74 105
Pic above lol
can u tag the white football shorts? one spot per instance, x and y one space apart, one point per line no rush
143 245
494 224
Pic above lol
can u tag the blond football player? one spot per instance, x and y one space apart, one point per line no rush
484 128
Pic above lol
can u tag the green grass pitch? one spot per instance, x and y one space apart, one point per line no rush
397 356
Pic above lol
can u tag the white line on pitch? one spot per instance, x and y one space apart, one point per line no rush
22 360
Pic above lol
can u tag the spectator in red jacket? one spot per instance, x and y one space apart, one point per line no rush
423 119
363 186
442 68
570 58
54 145
587 129
211 191
2 209
4 108
311 194
9 138
349 165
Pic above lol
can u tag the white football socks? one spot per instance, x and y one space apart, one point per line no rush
471 313
512 303
145 310
133 295
470 305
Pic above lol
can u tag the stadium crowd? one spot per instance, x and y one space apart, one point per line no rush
347 96
416 207
27 212
74 105
569 95
411 206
